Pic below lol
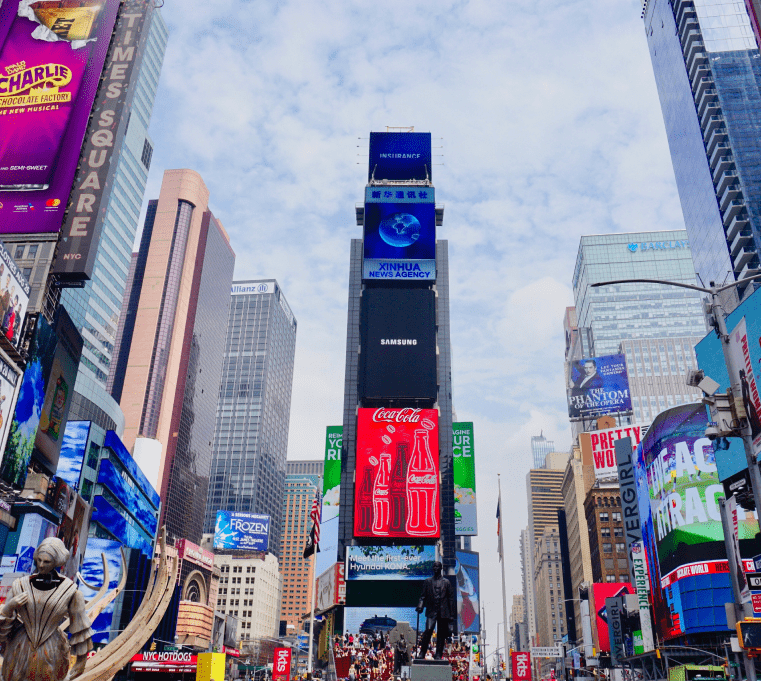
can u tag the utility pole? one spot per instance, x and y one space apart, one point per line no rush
504 593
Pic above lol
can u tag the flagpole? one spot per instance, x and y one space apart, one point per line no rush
313 591
504 593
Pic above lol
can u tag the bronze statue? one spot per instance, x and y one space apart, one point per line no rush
440 609
33 645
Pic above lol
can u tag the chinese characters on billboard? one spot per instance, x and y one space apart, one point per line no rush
597 448
597 386
400 234
241 531
465 516
397 473
51 58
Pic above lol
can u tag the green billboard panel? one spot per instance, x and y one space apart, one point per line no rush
466 523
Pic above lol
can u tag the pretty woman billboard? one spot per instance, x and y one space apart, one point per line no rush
679 491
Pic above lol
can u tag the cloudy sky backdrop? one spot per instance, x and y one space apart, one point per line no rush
549 127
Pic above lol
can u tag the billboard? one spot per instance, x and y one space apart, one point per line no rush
399 156
10 382
47 388
597 386
14 296
241 531
601 592
678 490
281 664
597 448
465 516
92 571
521 665
375 620
73 530
398 358
331 492
51 59
400 234
468 592
331 587
397 473
72 455
128 495
389 562
103 141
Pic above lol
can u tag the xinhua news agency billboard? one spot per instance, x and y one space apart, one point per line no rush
465 509
397 473
598 386
51 59
400 234
241 531
399 156
398 358
678 491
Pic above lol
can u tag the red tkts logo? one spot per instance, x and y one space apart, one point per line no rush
397 474
281 664
521 666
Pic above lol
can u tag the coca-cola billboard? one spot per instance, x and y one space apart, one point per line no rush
281 664
397 473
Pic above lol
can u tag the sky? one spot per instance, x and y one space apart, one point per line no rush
546 126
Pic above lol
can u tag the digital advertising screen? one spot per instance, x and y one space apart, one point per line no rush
73 449
10 382
14 296
400 156
465 509
51 59
468 591
599 593
598 386
678 490
111 477
400 234
398 334
331 492
397 473
389 562
92 571
597 448
241 531
378 620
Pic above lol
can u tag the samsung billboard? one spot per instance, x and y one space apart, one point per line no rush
398 358
399 156
236 531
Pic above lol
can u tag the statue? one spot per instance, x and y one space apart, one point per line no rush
33 645
438 600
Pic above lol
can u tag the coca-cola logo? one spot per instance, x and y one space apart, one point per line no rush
422 479
407 415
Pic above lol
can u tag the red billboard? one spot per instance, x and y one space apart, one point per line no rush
521 666
281 664
397 473
599 593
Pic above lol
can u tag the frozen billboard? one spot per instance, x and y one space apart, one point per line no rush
598 386
397 473
465 509
236 531
51 59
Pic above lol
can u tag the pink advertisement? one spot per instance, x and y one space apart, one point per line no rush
51 57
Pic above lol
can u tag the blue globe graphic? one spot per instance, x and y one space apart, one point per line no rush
400 230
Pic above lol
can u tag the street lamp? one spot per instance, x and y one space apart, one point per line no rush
717 319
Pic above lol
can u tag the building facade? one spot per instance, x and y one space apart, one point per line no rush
706 64
545 497
540 448
253 411
169 366
297 572
607 545
549 587
527 577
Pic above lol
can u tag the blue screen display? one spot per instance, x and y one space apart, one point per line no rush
92 571
241 531
113 443
73 452
113 522
109 476
468 591
400 156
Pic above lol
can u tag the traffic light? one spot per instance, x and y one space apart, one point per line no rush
749 634
153 645
477 658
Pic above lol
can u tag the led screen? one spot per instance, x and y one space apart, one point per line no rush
377 619
73 452
389 562
51 58
110 477
600 592
397 473
468 591
331 488
465 515
241 531
398 358
14 296
400 156
597 386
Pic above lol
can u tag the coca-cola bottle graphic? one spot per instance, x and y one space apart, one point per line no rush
380 495
398 489
422 489
365 502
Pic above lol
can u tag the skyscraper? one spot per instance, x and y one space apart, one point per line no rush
169 365
540 448
253 411
708 74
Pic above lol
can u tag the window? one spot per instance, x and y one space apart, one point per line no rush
604 517
610 578
605 531
616 516
620 546
32 251
19 252
618 531
607 548
145 157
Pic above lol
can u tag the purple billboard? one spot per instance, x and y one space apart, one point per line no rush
51 58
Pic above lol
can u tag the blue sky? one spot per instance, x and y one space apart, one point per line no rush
548 124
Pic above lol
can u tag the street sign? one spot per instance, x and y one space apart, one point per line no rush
546 651
754 580
756 600
757 563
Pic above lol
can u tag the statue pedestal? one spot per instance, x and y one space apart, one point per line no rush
430 670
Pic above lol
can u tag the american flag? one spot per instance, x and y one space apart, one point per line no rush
313 540
499 527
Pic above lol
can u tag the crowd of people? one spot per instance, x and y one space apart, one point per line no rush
370 657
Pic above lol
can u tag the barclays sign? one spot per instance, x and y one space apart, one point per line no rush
658 246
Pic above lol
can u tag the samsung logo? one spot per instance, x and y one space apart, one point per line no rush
398 341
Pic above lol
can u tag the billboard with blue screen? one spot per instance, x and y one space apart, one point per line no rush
399 156
468 592
237 531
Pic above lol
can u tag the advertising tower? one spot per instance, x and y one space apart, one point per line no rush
397 482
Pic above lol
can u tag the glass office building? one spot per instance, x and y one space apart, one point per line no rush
253 412
540 448
708 73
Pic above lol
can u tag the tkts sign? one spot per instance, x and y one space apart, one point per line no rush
521 666
397 473
281 664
